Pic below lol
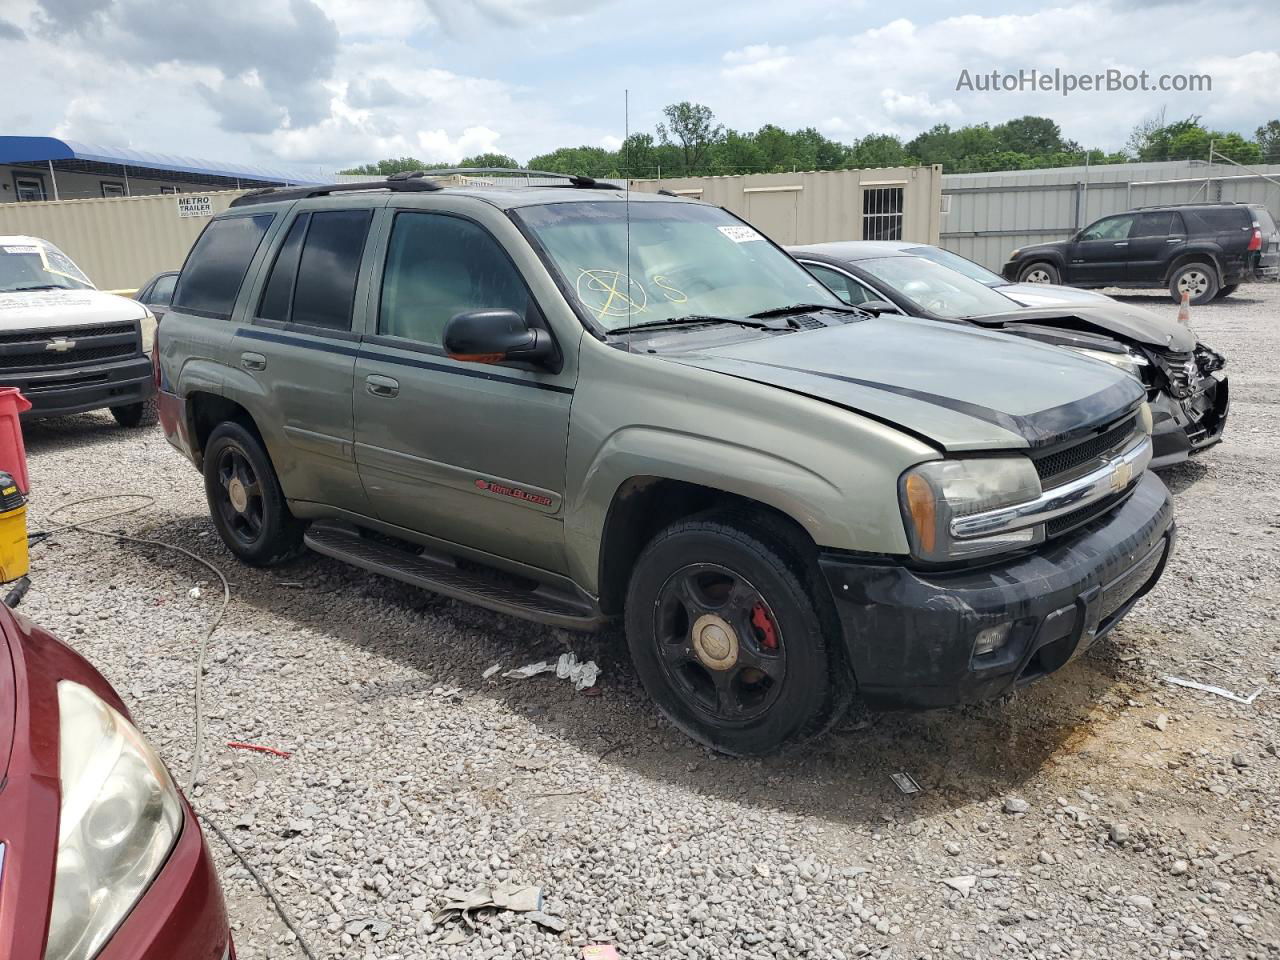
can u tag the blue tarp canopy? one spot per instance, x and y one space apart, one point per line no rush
30 151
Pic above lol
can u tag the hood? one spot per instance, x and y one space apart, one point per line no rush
1050 294
956 386
1119 320
65 309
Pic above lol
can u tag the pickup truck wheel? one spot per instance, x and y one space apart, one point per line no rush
245 499
143 414
726 640
1040 272
1196 278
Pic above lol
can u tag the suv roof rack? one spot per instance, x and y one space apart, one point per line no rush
1198 203
409 181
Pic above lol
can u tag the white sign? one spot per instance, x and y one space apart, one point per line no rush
195 206
739 234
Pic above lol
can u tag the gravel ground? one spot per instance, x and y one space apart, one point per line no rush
1101 813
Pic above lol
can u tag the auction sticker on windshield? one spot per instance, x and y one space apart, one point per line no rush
739 233
26 249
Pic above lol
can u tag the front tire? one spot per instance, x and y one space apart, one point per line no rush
1039 272
145 413
1196 278
728 641
245 500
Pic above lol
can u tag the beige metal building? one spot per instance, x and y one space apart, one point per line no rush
889 203
119 243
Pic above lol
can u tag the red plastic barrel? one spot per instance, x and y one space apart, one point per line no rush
13 454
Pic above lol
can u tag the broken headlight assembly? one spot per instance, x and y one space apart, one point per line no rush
934 493
1129 360
120 816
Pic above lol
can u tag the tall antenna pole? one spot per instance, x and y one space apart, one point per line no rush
626 135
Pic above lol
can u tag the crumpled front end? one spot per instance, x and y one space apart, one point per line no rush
1189 397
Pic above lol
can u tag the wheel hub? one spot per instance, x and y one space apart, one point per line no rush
714 642
236 493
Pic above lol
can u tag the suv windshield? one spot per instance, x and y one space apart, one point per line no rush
686 260
959 264
32 264
937 289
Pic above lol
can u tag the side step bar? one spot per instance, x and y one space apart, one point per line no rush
539 605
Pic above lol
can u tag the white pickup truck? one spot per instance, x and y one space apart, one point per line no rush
67 345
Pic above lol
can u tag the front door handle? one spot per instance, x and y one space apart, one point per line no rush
1174 240
382 386
1122 243
253 361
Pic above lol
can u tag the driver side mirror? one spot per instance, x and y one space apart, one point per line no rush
497 336
877 307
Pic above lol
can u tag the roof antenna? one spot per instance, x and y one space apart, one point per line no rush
626 135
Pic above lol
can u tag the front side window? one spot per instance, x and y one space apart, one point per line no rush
842 285
162 292
36 264
685 259
439 266
937 289
1112 228
211 278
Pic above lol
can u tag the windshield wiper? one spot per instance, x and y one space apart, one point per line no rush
689 318
40 286
803 308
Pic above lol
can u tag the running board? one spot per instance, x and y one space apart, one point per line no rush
540 605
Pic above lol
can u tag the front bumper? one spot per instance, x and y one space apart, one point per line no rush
182 914
1190 425
909 634
55 393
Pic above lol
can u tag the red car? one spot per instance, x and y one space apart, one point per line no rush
100 855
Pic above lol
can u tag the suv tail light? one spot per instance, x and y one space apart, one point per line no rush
1255 241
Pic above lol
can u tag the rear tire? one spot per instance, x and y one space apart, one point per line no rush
1039 272
145 413
727 639
1228 290
245 500
1196 278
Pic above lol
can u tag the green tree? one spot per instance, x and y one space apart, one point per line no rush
384 168
1034 136
584 160
691 127
488 160
1267 137
877 150
638 157
738 153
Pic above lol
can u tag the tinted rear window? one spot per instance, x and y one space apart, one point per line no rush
1219 221
279 290
1266 223
327 271
211 278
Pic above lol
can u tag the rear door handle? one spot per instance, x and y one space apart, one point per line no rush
381 386
1174 240
1122 243
253 361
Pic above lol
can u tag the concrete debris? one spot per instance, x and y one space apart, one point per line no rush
1160 722
963 885
1016 805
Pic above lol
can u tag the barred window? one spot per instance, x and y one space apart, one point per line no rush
882 213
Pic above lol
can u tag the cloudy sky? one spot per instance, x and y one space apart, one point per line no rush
334 82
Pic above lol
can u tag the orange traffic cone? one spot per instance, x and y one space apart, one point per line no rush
1184 311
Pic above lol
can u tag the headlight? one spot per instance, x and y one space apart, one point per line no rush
148 326
1014 253
119 819
1130 361
934 493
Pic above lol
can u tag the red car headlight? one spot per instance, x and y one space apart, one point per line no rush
120 816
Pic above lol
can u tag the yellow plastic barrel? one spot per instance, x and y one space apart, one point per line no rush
13 530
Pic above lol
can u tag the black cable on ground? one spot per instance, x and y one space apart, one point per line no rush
197 750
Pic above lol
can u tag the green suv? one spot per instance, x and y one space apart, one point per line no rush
576 404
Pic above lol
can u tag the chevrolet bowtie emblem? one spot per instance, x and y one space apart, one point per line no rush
1121 476
60 344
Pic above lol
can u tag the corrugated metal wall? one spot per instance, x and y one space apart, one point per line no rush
118 242
990 214
816 207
